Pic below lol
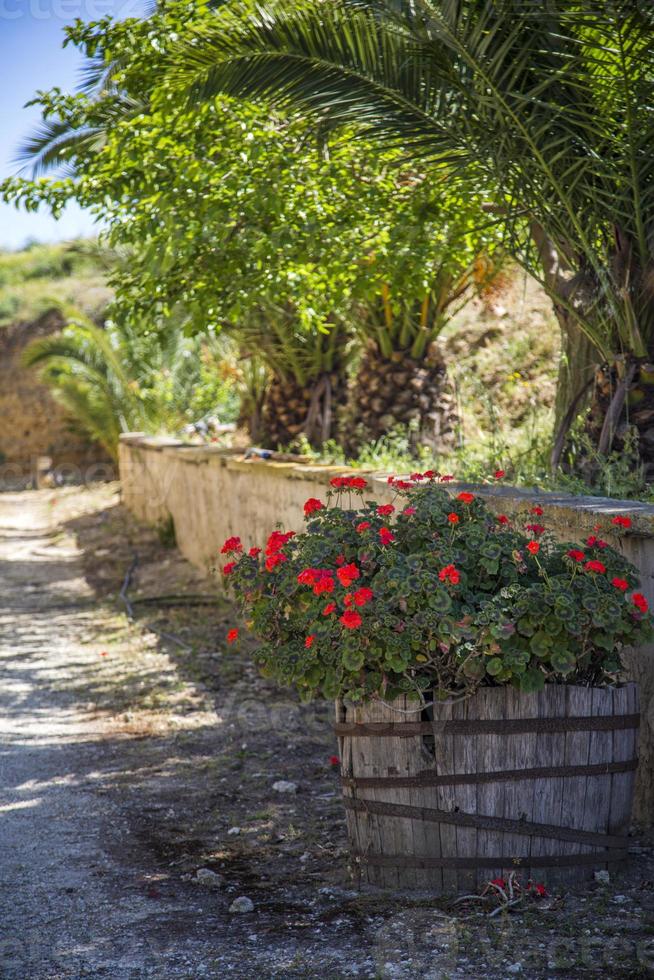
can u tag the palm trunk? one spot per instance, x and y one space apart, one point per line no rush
400 391
292 410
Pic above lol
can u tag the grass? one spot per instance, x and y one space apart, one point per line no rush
66 276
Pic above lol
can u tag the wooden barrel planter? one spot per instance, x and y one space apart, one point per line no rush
447 798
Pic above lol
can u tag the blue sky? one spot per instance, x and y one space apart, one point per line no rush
31 58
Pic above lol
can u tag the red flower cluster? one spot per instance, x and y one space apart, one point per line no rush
533 547
409 511
537 510
363 526
386 536
499 474
592 542
576 555
348 482
595 566
309 640
453 518
229 568
350 619
347 574
232 636
231 544
536 529
640 602
274 545
253 552
363 596
465 497
329 609
620 583
312 504
449 574
621 521
385 510
321 579
502 519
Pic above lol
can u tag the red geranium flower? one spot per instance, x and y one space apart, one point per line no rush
363 595
229 568
417 476
232 636
502 519
403 485
576 555
350 619
347 574
277 540
231 544
465 497
498 882
386 536
309 576
347 599
620 583
312 504
595 566
385 509
329 609
409 511
253 552
540 890
357 483
499 474
446 478
536 529
621 521
273 560
537 510
453 518
309 640
640 602
363 526
430 474
533 547
390 480
324 584
592 541
449 574
334 760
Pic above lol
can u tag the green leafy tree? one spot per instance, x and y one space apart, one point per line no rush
552 102
241 219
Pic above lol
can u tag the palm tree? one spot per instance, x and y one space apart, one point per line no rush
307 385
552 101
120 378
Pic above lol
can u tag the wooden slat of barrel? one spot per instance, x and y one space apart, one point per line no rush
445 796
465 760
492 755
519 795
548 794
577 746
625 701
406 759
598 788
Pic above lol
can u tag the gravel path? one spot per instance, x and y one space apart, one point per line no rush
129 765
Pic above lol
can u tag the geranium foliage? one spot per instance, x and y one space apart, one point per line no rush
434 592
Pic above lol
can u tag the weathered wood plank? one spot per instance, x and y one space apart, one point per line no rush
625 747
548 795
465 760
445 795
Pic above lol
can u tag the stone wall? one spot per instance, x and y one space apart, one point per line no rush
212 494
32 423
